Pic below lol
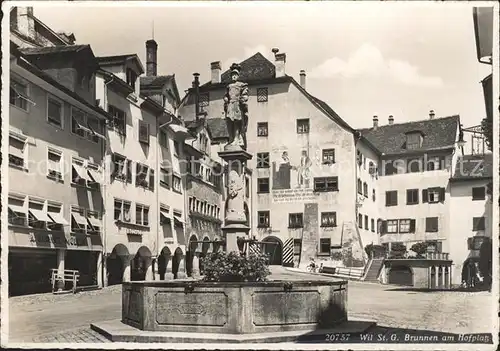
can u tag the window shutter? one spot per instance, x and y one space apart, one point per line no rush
387 198
151 179
128 166
442 192
383 227
425 196
412 225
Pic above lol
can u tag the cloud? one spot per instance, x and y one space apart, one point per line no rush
369 61
247 52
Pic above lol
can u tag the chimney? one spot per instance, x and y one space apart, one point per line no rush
151 52
25 21
375 122
279 62
215 67
303 79
431 114
391 119
196 89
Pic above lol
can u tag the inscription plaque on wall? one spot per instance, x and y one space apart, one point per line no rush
298 307
204 308
293 195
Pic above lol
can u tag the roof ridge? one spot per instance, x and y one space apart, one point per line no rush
410 122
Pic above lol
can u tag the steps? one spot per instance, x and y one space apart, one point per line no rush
373 271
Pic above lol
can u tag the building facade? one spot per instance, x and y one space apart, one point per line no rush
56 151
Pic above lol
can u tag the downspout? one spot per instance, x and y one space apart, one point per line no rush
106 168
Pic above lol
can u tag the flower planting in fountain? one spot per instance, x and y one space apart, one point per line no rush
232 267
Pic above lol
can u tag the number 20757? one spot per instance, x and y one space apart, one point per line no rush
337 337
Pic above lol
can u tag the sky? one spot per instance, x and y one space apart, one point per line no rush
362 58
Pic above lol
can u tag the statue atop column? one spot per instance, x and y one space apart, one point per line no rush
236 110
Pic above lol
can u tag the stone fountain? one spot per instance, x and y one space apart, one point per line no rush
200 311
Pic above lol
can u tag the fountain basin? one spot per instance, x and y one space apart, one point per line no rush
234 307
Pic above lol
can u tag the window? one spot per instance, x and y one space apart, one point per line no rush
17 151
366 222
433 195
372 169
263 160
131 77
326 184
119 120
372 222
262 129
414 165
78 172
94 173
204 100
432 224
95 129
122 210
412 196
142 175
262 94
54 111
177 148
19 94
328 156
328 219
165 176
303 126
390 168
54 164
297 246
478 193
94 222
295 220
475 243
435 163
78 220
143 132
413 141
373 195
247 187
77 122
263 218
262 185
176 183
141 215
122 168
163 139
324 245
392 226
360 187
365 189
405 226
478 223
360 221
391 198
17 213
359 157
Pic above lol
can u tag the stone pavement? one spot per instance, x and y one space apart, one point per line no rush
66 318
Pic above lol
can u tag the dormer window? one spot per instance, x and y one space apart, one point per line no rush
414 140
131 77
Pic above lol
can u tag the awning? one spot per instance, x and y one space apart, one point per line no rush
79 126
58 218
40 215
80 171
94 175
178 221
180 131
17 209
95 222
79 218
483 30
164 218
94 133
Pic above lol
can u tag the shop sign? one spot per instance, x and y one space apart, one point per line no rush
58 240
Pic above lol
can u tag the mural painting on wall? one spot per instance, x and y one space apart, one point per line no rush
292 179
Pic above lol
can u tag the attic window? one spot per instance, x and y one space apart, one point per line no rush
414 140
143 132
131 77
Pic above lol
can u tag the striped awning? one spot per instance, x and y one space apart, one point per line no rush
40 215
58 218
80 171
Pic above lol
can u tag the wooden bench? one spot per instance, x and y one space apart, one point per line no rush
349 273
65 276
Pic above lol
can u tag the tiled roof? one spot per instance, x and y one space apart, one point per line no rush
474 166
155 81
391 139
256 67
217 128
53 49
110 60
